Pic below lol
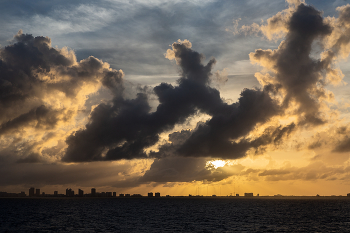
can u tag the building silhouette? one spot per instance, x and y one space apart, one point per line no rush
121 195
69 193
55 193
93 192
248 194
150 194
81 193
157 194
31 192
37 192
114 194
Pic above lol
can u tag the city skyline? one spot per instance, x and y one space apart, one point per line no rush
184 97
33 192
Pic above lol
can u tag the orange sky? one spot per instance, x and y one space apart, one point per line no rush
275 122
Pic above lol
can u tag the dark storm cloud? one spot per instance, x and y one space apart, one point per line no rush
127 127
19 65
122 123
123 130
32 73
201 143
296 71
24 63
216 137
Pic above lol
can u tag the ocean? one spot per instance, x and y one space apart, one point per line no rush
196 214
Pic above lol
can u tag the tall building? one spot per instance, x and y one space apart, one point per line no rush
37 192
157 194
93 192
31 192
114 194
150 194
69 193
55 193
81 193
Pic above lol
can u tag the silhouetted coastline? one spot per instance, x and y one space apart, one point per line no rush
94 194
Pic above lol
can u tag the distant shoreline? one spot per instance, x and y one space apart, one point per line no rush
191 197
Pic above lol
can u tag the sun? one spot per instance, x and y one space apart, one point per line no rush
216 163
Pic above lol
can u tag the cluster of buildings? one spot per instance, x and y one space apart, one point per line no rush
151 194
6 194
70 193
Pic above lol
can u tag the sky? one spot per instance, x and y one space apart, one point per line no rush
181 97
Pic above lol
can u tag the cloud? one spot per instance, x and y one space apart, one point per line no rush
295 76
92 174
181 169
313 171
75 19
293 69
301 76
276 27
343 145
338 41
43 90
126 127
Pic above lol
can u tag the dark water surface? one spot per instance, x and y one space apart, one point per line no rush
174 215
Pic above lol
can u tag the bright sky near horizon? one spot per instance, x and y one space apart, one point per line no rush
181 97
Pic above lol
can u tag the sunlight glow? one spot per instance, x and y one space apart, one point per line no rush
215 163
